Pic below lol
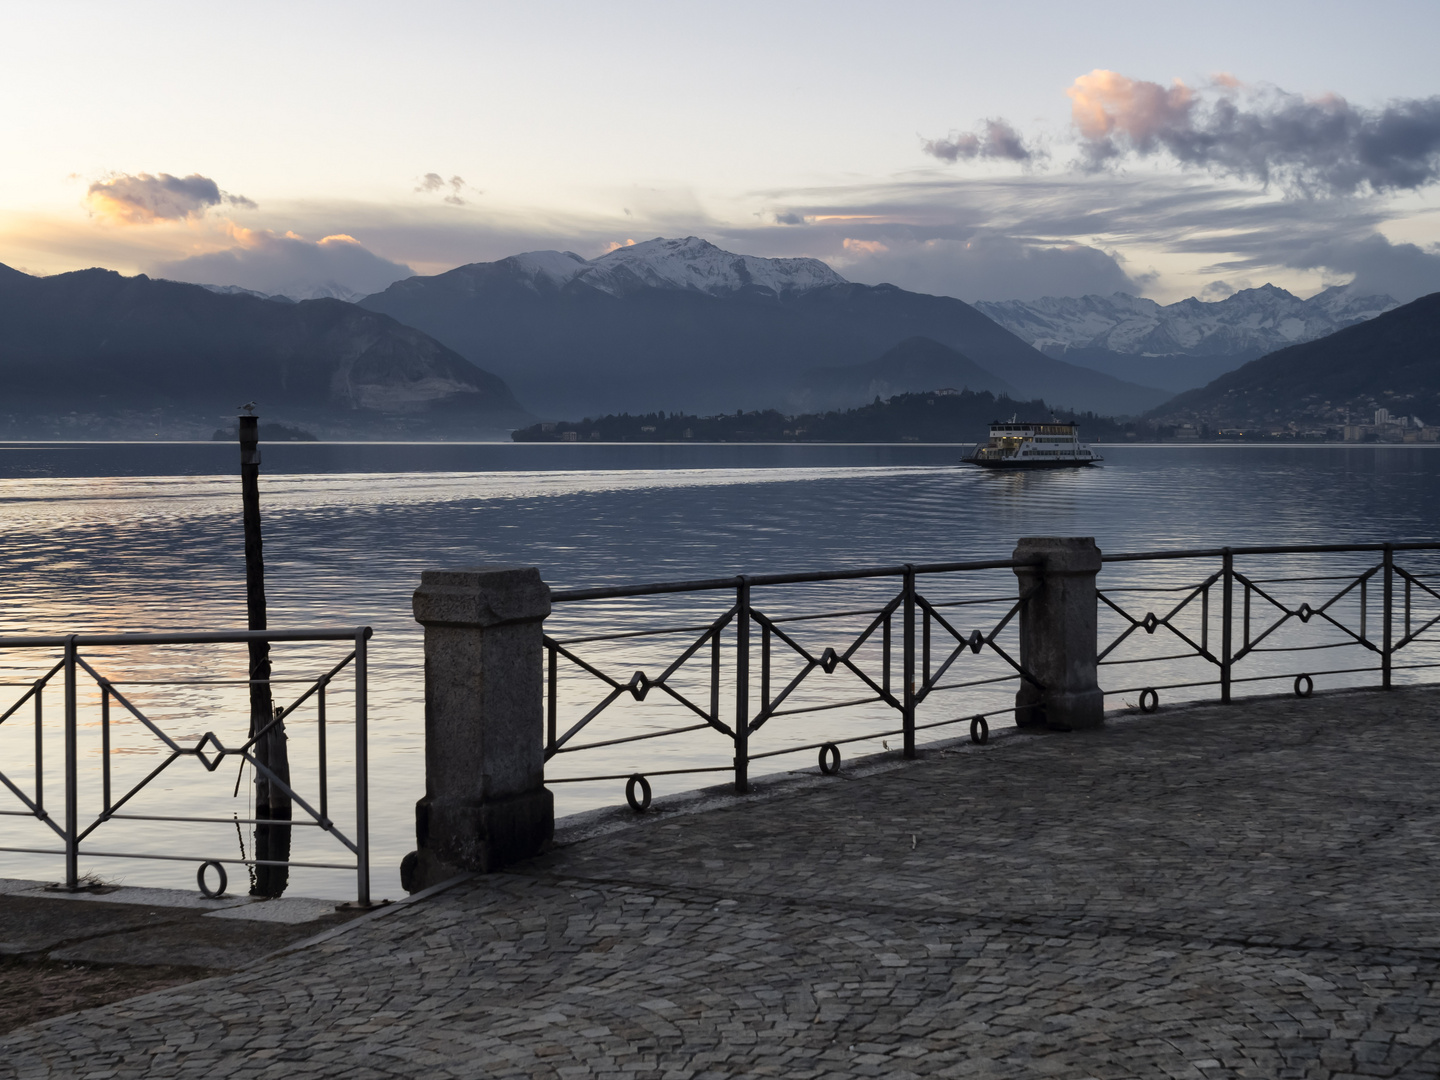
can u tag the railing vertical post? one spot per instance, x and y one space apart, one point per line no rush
907 719
1389 600
72 802
552 704
362 770
742 686
1226 607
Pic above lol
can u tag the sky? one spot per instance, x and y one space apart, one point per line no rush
980 150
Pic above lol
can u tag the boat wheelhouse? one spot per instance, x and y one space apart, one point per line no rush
1049 445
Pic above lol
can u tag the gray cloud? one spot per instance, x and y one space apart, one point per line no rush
432 183
142 199
988 266
337 265
994 140
1310 146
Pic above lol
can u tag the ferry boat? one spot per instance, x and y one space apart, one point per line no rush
1051 445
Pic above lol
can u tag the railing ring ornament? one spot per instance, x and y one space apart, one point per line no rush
205 890
829 759
979 730
1149 700
641 804
1309 685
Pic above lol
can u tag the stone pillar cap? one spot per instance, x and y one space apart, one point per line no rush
481 596
1061 554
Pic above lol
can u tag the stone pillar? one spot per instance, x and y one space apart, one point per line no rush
1058 634
485 804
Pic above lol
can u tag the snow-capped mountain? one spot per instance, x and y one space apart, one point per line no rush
690 264
1266 318
236 290
1138 339
680 323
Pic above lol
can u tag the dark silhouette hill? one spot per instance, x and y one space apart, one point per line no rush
1393 360
681 324
106 353
927 417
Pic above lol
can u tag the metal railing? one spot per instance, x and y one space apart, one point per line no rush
1239 625
1257 623
897 679
77 827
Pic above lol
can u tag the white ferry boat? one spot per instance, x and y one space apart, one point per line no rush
1051 445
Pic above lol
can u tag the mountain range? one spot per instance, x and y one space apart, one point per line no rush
681 324
1182 345
1391 361
94 354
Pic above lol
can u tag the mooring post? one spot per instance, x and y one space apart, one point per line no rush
1058 633
485 804
267 729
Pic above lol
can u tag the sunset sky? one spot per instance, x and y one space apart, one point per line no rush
986 151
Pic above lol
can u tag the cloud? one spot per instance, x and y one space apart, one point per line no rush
987 266
143 199
431 183
1309 146
336 265
994 140
1379 267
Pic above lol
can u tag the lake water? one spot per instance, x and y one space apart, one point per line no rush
147 537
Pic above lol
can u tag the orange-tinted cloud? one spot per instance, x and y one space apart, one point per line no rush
1320 145
143 199
1105 103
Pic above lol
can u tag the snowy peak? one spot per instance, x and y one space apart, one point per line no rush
689 265
1249 321
551 267
697 265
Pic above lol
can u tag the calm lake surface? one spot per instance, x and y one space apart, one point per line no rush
123 537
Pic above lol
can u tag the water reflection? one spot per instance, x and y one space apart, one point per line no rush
148 537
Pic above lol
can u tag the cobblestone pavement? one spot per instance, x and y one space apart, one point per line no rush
1203 893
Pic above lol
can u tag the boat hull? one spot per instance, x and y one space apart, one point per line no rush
1031 464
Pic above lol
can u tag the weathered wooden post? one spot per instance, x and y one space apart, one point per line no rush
1058 633
485 801
272 842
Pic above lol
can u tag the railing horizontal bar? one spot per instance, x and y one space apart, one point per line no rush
971 603
1303 648
199 859
216 637
1155 659
36 850
828 742
1285 549
1111 590
633 634
706 584
1165 686
833 705
626 776
1318 577
216 682
1297 674
828 615
215 821
975 682
633 738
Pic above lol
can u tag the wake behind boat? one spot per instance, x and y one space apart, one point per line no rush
1051 445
